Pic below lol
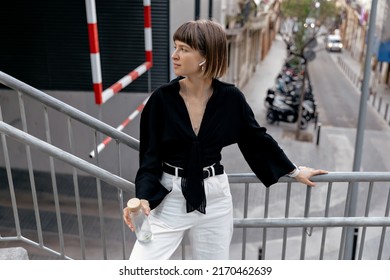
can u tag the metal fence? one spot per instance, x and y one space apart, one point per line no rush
76 176
289 222
84 221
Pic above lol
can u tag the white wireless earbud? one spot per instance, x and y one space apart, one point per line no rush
203 62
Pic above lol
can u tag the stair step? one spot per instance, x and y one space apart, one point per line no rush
13 253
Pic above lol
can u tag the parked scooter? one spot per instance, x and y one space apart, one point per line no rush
281 108
283 100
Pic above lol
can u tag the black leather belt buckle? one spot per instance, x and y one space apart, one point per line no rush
207 172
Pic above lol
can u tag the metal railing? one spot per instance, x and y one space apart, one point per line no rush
78 165
321 215
73 117
281 222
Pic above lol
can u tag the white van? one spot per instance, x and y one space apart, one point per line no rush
333 43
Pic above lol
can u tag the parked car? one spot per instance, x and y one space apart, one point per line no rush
333 43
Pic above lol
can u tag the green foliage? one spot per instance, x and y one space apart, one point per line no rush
300 10
327 10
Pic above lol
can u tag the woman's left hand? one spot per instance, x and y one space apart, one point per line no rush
305 173
126 213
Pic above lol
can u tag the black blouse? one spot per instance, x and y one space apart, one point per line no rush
166 135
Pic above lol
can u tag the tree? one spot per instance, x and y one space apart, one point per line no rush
303 21
308 18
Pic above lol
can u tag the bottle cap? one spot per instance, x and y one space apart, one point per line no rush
134 204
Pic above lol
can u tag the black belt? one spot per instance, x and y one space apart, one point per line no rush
216 169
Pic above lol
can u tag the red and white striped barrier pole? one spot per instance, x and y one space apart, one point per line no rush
148 31
94 50
100 95
107 140
125 81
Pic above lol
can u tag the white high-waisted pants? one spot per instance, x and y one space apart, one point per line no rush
210 234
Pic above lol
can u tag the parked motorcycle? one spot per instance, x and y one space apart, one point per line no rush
282 108
283 100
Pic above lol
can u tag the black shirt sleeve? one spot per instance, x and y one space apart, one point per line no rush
263 154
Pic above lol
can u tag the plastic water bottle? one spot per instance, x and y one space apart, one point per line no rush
139 220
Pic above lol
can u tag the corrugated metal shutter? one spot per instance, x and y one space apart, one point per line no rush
45 43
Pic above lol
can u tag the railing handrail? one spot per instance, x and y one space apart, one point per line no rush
60 106
72 160
312 222
330 177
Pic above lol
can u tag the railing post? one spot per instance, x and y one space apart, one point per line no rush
10 180
31 170
246 202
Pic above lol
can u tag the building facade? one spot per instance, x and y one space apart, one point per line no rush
354 28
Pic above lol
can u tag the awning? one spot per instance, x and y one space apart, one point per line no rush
384 52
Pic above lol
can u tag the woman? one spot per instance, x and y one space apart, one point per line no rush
184 127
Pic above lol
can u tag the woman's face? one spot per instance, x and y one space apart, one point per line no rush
186 60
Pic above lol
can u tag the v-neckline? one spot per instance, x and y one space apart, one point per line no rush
189 120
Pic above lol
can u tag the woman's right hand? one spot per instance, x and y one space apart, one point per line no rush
126 213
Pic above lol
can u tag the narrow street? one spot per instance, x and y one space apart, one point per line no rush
338 99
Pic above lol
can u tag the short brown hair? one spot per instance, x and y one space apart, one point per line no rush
209 38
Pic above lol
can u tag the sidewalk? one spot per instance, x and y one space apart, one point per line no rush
379 93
